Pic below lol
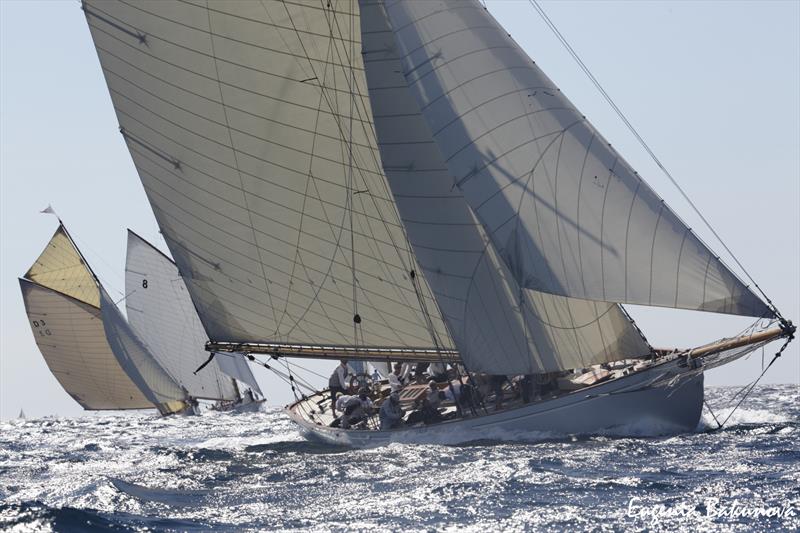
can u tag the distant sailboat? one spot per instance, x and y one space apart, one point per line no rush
21 415
399 181
86 342
161 311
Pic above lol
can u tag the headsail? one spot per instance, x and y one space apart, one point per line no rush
497 326
248 123
564 210
161 311
235 366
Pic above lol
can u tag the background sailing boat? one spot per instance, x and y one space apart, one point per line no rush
63 303
159 307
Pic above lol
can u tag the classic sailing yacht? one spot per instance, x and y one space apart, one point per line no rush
159 307
67 309
399 181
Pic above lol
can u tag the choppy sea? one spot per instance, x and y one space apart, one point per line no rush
226 472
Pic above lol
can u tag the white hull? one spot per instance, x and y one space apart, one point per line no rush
664 399
249 407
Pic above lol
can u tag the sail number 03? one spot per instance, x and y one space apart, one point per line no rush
41 325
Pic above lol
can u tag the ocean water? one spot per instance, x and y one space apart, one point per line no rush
227 472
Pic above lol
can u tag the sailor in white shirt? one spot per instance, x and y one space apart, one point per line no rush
338 382
397 379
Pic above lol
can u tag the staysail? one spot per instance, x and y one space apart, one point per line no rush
62 302
498 326
563 209
248 123
235 366
161 311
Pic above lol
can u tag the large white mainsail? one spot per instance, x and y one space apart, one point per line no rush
161 311
62 303
249 125
565 211
497 326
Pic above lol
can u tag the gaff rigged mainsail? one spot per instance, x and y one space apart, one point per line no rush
249 125
70 336
161 311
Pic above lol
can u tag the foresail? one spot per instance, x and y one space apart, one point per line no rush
70 336
161 311
61 267
235 366
498 327
134 357
261 167
564 210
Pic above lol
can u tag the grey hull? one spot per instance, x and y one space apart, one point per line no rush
664 399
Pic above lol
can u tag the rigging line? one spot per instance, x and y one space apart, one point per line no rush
751 387
236 161
297 366
632 129
719 426
274 370
351 187
309 179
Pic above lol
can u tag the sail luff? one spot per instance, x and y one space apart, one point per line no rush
566 212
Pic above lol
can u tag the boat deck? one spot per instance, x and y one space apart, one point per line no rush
316 409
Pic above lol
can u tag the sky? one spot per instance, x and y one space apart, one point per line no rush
713 87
